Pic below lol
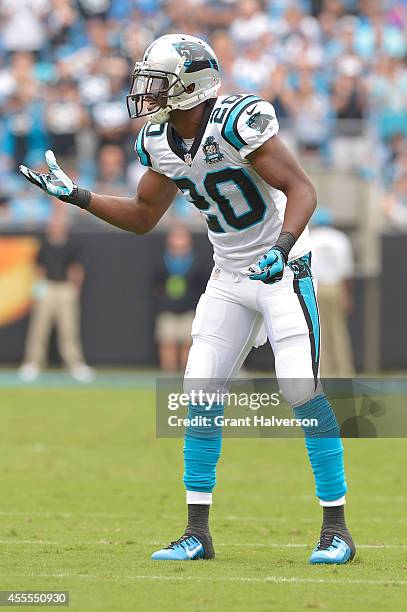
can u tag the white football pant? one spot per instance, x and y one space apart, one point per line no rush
236 313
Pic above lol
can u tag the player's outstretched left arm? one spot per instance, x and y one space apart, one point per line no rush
277 166
139 214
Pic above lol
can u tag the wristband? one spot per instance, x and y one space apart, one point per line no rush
284 244
79 197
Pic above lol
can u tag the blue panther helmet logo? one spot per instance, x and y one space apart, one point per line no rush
197 57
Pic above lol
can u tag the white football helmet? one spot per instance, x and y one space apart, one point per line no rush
178 71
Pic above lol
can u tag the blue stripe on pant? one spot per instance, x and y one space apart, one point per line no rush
202 448
304 288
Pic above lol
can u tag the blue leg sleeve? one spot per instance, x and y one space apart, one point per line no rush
202 448
325 449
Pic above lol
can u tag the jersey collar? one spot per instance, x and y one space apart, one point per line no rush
176 143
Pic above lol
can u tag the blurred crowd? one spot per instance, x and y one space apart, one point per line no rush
335 71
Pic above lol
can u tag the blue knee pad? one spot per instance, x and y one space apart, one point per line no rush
325 449
202 448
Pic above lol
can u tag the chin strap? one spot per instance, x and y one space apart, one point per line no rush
160 116
163 115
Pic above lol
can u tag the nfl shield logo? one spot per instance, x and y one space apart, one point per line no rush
216 273
188 159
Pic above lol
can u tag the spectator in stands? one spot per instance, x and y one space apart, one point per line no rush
93 84
328 22
179 281
226 53
387 96
61 20
112 171
215 14
252 69
310 110
23 70
250 23
278 92
110 117
333 267
4 207
394 161
395 203
24 132
94 8
348 97
276 8
60 276
302 51
99 37
65 118
343 41
26 207
295 22
374 35
349 105
23 24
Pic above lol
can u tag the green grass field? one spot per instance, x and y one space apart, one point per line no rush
88 493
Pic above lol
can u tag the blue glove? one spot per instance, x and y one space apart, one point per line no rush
270 268
56 183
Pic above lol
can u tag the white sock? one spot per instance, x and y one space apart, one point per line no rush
198 497
336 502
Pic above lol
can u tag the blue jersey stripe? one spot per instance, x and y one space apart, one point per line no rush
229 130
145 158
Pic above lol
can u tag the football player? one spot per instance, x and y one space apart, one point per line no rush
224 154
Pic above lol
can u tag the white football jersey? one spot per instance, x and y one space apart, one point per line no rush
244 214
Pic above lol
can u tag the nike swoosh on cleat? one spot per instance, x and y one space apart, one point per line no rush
191 553
333 553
